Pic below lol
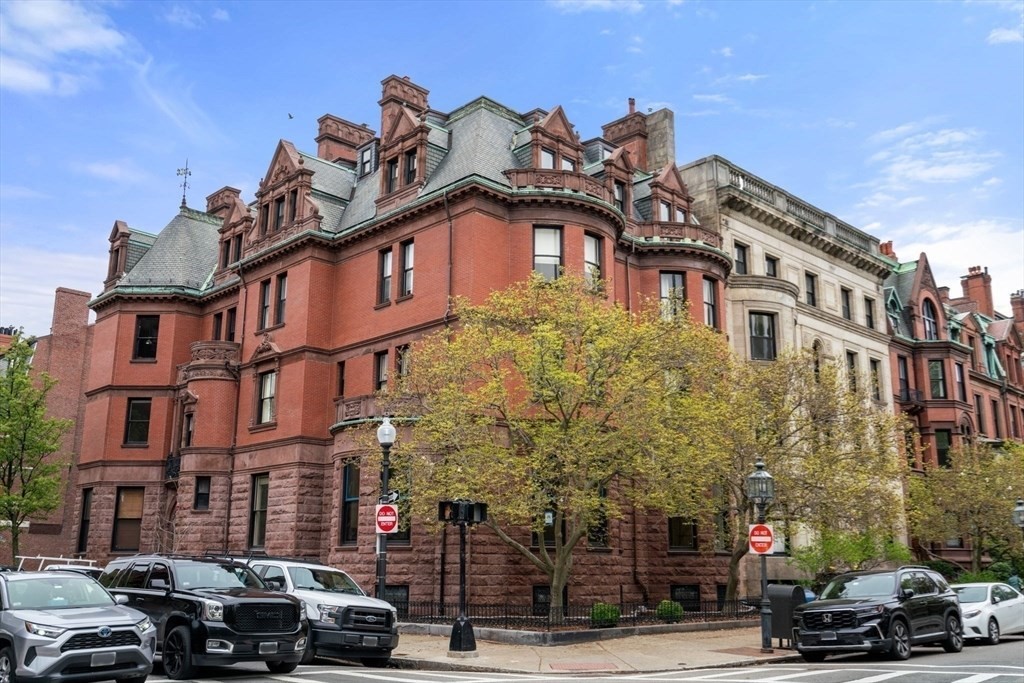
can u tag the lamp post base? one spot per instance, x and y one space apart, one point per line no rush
463 642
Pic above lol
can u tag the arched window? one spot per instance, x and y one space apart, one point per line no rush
931 326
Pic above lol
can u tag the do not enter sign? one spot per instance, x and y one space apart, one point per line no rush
387 519
761 539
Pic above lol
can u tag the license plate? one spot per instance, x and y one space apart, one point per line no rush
268 648
370 641
104 659
828 635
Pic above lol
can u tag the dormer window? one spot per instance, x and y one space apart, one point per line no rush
568 164
293 205
931 328
665 213
366 161
410 167
278 213
392 179
547 158
620 196
680 215
264 219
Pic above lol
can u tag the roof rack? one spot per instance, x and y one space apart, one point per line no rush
45 560
262 555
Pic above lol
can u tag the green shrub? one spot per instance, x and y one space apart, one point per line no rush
603 614
984 576
947 569
1002 570
669 610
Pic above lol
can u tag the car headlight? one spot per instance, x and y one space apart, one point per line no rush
971 613
867 612
42 630
325 613
213 610
144 625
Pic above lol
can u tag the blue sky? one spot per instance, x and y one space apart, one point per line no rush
905 119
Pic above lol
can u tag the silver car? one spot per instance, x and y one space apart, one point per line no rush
63 627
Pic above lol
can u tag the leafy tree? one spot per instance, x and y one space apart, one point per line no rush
972 499
837 551
550 398
832 451
30 480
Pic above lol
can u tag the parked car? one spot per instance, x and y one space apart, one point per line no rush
210 612
990 610
63 626
886 611
344 622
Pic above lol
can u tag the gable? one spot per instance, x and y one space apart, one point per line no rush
557 125
672 181
283 164
400 123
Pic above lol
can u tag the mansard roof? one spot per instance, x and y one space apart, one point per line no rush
183 255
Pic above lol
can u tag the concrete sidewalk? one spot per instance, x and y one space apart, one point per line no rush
649 652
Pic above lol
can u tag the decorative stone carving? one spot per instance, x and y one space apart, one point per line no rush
552 179
266 347
352 409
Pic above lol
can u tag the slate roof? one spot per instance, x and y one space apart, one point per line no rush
480 146
184 254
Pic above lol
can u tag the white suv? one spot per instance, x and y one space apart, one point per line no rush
344 622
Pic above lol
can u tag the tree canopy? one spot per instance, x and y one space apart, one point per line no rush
30 479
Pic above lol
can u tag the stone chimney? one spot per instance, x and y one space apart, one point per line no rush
886 249
397 93
339 139
944 294
1017 304
977 286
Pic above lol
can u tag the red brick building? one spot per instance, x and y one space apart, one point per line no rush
234 350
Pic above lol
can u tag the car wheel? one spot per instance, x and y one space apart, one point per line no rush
177 654
282 667
900 635
8 665
954 641
813 656
375 662
993 632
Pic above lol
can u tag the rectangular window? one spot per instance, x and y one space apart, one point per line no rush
293 205
403 358
218 324
384 278
225 254
282 297
83 526
869 313
851 370
876 379
682 533
937 377
229 327
187 429
236 248
811 289
264 317
547 252
771 266
136 427
665 212
687 595
201 501
365 161
278 213
997 429
547 158
341 378
258 510
592 258
762 336
961 385
408 253
264 219
974 353
673 293
680 215
392 177
710 304
568 164
410 167
739 252
265 408
901 363
147 328
943 441
845 295
380 371
350 503
128 519
619 198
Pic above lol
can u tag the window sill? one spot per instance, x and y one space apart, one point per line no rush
683 551
135 445
263 427
602 550
404 297
381 304
143 360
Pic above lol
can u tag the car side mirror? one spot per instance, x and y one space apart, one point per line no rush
121 599
996 599
158 584
907 593
274 584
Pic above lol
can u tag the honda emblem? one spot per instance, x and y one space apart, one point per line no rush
826 618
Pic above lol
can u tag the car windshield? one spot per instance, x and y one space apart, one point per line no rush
971 593
323 579
211 575
57 592
859 586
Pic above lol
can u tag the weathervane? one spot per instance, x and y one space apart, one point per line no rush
184 173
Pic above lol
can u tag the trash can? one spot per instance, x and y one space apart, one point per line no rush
784 600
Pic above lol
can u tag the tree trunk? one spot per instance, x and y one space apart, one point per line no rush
15 549
739 551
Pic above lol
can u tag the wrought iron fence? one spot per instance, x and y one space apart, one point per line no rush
574 617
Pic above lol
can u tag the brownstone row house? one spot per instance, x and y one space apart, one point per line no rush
234 351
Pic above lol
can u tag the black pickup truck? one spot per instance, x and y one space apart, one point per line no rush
210 612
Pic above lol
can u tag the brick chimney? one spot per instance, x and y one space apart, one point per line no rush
339 139
977 286
1017 304
886 249
630 132
397 93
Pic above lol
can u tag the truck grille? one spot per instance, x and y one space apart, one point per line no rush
816 621
263 618
367 619
92 641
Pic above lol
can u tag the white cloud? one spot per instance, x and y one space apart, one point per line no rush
722 99
179 15
122 171
636 44
14 192
578 6
29 277
993 182
725 52
221 14
750 78
1006 35
174 100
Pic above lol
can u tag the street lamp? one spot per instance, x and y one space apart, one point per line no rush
1018 514
386 439
761 491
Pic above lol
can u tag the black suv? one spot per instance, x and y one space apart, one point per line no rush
880 611
210 612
